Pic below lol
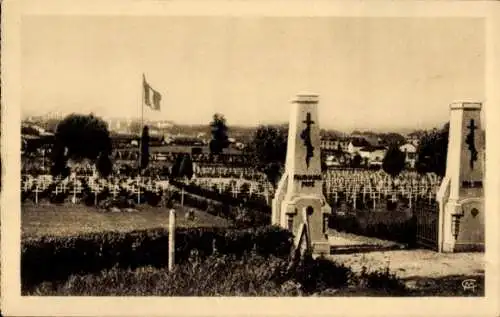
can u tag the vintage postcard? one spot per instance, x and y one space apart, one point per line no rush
227 158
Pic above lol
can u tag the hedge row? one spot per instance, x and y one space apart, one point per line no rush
241 216
57 258
225 197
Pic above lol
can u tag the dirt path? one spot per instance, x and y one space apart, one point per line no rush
427 272
408 264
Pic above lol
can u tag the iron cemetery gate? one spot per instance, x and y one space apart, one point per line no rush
426 213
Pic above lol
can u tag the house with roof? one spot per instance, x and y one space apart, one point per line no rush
334 144
356 144
373 155
410 151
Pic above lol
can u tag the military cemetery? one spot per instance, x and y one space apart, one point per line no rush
278 201
308 207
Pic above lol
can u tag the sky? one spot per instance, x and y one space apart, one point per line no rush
370 73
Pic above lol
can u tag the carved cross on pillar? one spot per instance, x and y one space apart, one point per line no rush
306 136
470 141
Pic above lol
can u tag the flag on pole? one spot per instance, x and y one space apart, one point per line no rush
152 98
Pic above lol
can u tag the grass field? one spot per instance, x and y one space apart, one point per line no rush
68 220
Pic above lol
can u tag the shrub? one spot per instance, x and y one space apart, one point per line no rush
230 275
57 198
394 161
320 274
223 275
152 198
56 258
382 280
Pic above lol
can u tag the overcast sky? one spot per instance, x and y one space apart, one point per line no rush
370 73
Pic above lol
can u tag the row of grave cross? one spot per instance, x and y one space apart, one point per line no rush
362 188
264 189
225 172
75 186
354 196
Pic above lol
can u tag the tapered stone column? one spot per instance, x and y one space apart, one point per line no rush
461 195
299 197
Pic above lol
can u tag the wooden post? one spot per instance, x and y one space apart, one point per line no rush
138 191
37 190
171 240
354 199
96 190
182 197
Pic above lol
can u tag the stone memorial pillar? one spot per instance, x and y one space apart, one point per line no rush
300 190
461 195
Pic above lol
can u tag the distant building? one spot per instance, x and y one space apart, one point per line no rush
163 124
410 151
356 144
333 144
328 144
114 125
413 138
54 115
373 155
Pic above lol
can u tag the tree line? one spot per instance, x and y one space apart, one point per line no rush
78 137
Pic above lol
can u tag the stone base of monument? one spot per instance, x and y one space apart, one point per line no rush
466 220
321 248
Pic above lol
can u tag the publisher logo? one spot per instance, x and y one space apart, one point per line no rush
469 285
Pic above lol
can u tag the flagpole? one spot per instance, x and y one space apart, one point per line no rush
142 121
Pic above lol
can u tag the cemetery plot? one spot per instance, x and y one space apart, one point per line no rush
357 188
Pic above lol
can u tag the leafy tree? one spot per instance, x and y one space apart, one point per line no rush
186 167
175 170
268 149
356 161
59 161
104 165
393 138
145 148
51 125
218 129
394 161
432 151
323 162
29 130
79 137
135 127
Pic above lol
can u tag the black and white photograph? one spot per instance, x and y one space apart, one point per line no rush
264 156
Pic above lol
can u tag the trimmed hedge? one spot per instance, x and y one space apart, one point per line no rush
243 215
57 258
224 197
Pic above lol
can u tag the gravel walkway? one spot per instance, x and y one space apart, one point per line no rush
425 271
409 264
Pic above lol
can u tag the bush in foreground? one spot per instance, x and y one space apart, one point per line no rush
228 275
57 258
